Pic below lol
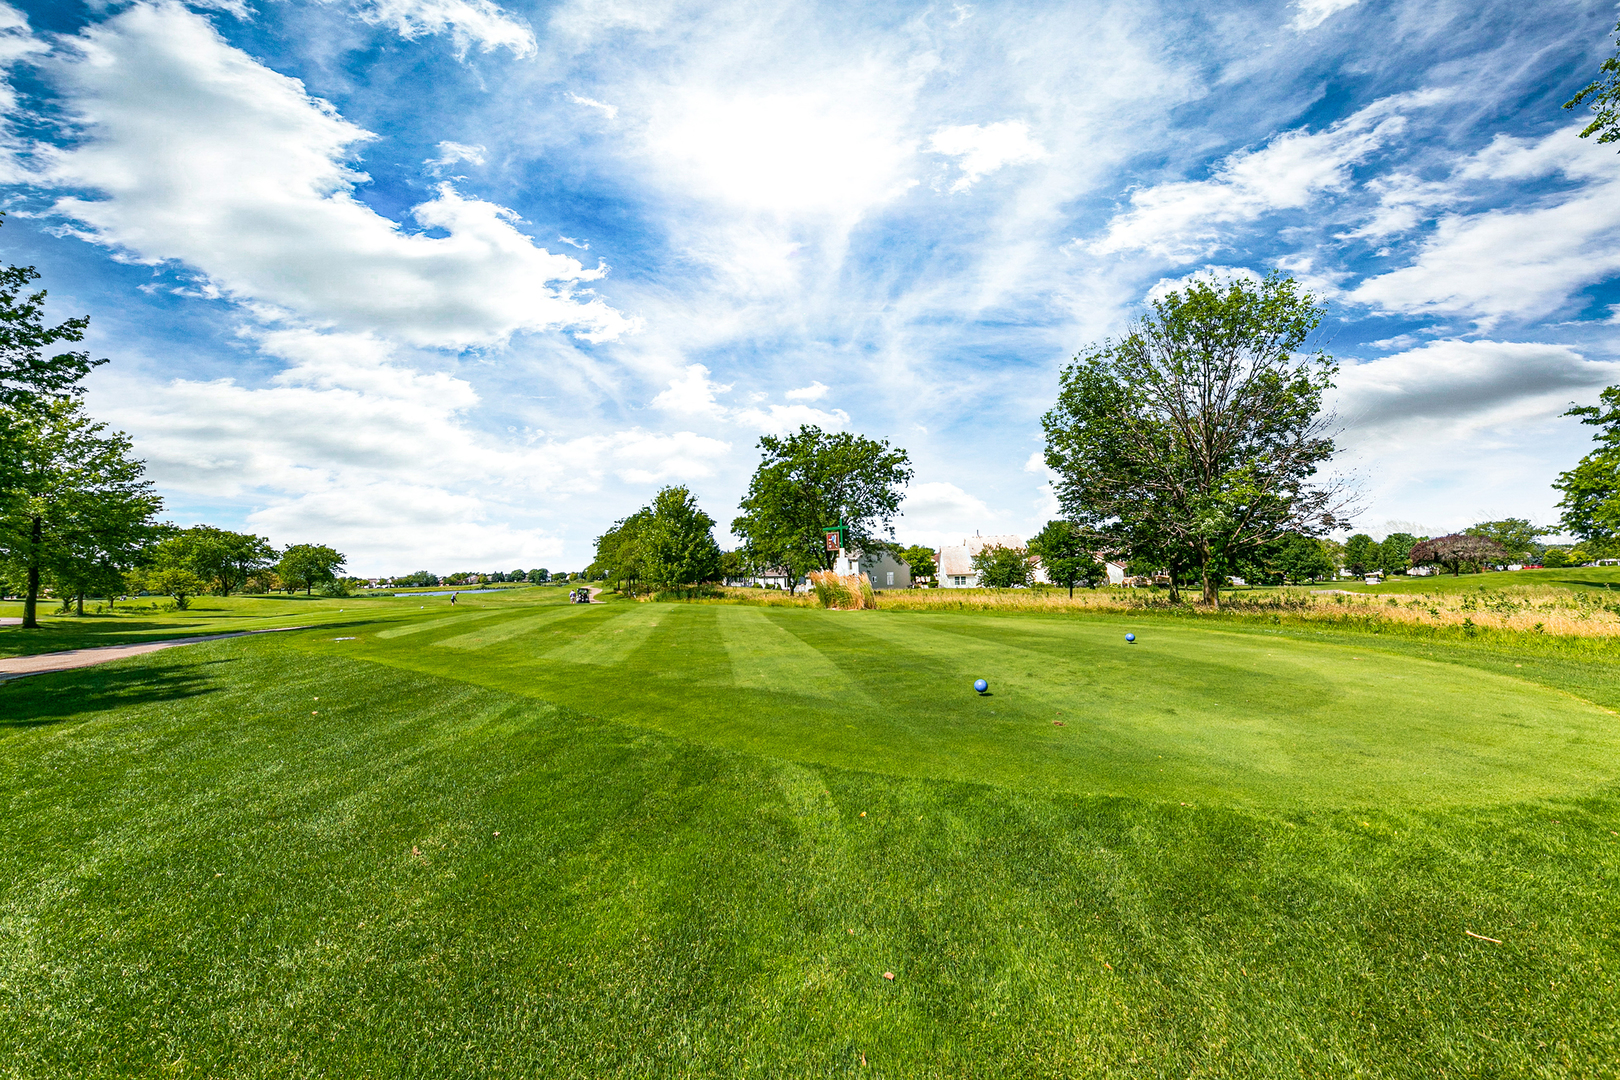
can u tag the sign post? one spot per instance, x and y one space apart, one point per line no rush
834 535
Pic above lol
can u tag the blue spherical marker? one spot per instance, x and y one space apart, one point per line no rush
1131 638
980 685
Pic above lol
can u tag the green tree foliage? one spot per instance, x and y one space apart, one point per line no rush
1065 555
1201 430
1361 555
223 559
680 541
169 577
1457 552
1602 96
733 565
29 373
539 576
1591 502
417 580
1003 567
1297 559
1516 535
812 479
76 506
305 566
621 555
1394 554
921 560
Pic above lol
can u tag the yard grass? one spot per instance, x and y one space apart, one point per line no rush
720 826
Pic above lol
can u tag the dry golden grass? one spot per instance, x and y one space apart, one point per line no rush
1560 612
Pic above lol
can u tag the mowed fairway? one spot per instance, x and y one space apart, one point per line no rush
521 837
1182 714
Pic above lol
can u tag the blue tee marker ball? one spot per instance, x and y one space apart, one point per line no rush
1131 638
980 685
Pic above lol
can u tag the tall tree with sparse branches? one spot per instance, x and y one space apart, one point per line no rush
1203 427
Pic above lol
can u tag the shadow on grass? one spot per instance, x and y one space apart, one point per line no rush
1587 583
54 697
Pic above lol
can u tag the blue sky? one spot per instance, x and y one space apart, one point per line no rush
448 284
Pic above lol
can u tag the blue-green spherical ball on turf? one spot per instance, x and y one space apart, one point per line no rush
1131 638
980 685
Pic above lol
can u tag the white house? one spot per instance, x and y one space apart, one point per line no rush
956 562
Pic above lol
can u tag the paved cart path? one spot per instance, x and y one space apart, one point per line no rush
15 667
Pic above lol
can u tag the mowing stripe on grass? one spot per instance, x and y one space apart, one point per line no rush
614 639
438 624
516 627
764 656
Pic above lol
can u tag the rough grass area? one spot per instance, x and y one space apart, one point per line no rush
279 857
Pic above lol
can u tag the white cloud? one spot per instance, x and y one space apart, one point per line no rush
452 152
1310 14
1189 219
982 150
1215 275
334 449
781 419
609 111
468 22
814 392
691 395
1515 262
1461 385
938 512
809 151
201 155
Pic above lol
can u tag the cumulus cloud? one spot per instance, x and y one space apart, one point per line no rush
938 512
814 392
1309 14
200 155
1509 261
1190 219
692 395
468 22
981 150
334 448
1463 383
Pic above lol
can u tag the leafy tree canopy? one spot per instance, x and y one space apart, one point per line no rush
1516 535
1394 553
1003 567
76 505
680 541
813 479
1602 96
304 566
1361 554
1297 559
1201 430
921 560
1066 555
1591 502
1456 551
29 372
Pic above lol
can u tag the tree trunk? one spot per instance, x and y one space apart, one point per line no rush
81 604
31 600
1175 589
1212 588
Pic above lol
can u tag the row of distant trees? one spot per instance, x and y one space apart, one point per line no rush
424 578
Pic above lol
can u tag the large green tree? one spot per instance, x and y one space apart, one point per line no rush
1394 552
1203 427
1602 96
1001 567
1361 554
304 566
1066 555
1298 559
76 504
223 559
621 555
1516 535
922 561
1457 552
1591 502
680 547
813 479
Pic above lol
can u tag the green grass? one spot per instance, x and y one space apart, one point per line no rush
1577 578
719 826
